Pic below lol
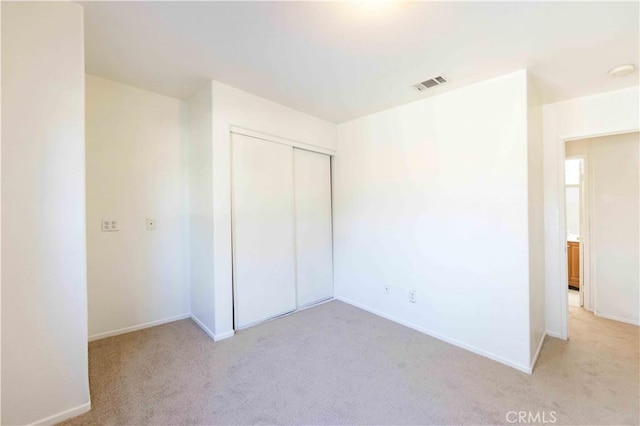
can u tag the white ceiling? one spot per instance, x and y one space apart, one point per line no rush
342 60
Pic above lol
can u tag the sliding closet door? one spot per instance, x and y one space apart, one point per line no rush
314 274
263 230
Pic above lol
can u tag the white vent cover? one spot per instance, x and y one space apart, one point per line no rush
432 82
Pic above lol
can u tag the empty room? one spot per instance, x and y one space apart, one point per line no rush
373 212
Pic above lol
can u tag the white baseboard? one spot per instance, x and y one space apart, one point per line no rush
231 333
203 327
537 354
524 368
67 414
214 337
222 336
616 318
314 304
137 327
554 334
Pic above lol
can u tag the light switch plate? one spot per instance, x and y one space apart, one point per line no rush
110 225
151 224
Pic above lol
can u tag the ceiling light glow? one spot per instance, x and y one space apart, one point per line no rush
374 5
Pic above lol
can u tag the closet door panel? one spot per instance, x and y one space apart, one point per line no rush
263 230
314 259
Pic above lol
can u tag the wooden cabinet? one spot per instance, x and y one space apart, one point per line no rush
573 257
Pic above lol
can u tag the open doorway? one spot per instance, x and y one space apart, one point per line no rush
602 199
576 222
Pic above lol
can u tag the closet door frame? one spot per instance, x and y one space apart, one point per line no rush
294 144
280 140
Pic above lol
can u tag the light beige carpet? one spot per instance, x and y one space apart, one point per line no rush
336 364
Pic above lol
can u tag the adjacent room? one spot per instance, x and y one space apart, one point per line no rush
319 213
602 211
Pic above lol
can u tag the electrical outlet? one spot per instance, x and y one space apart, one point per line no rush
110 225
412 296
387 289
151 224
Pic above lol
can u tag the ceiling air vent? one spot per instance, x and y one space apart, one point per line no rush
432 82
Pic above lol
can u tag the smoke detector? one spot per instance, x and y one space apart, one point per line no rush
429 83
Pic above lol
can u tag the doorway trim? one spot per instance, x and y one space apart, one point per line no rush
562 225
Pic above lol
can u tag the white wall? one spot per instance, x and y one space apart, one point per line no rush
233 107
136 169
0 208
573 210
537 326
572 196
610 112
201 208
572 171
44 300
614 222
433 197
